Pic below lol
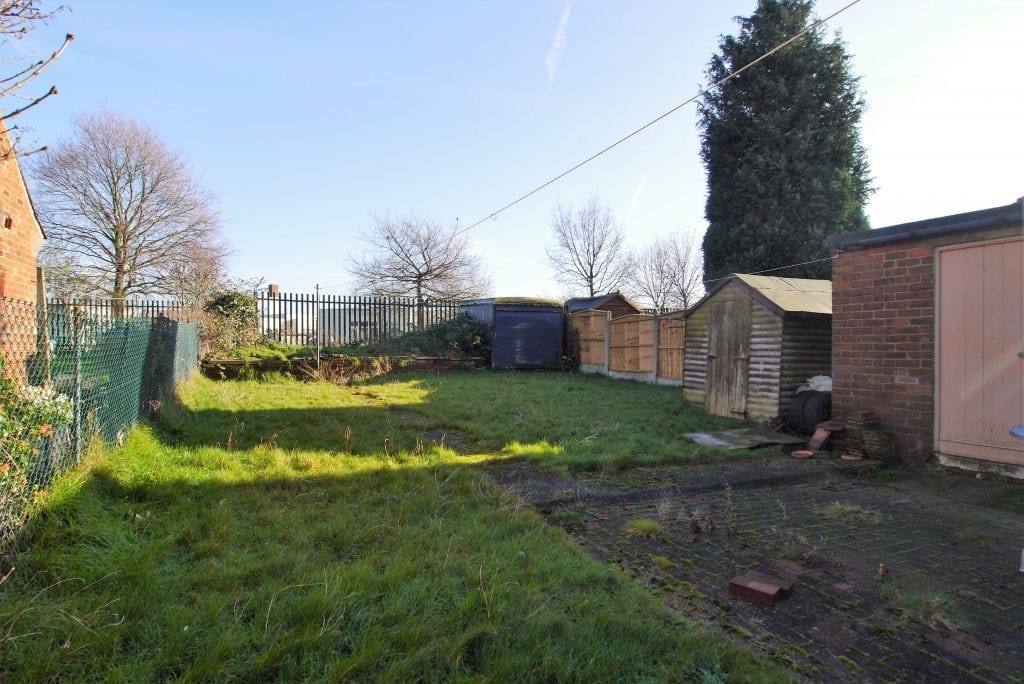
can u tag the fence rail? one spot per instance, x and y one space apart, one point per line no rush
335 320
72 372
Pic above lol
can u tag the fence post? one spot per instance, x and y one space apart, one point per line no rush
42 328
607 341
316 325
77 339
656 338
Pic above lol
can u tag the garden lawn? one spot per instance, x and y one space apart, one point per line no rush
279 530
562 420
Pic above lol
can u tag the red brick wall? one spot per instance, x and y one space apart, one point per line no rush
883 315
21 240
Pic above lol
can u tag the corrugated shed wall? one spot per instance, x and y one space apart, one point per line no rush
766 341
695 367
806 352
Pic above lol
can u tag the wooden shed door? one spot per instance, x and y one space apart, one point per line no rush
980 350
728 358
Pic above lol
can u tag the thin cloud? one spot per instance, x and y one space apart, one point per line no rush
557 48
636 198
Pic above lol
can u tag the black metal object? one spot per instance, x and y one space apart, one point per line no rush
523 333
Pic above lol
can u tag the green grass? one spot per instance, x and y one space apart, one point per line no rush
288 531
937 609
562 420
844 511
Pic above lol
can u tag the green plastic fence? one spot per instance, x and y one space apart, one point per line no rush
69 376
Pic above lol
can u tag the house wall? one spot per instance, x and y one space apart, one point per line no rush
883 344
765 353
20 235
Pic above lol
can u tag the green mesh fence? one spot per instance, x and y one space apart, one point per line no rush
69 376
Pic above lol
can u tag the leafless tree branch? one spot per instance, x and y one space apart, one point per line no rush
125 209
667 272
590 249
415 257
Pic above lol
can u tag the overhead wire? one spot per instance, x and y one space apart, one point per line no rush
700 93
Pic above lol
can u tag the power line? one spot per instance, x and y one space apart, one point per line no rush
650 123
777 268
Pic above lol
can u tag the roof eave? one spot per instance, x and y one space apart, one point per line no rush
994 217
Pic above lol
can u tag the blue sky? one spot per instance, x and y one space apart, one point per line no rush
306 119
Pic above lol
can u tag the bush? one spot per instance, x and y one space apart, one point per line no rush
231 320
458 337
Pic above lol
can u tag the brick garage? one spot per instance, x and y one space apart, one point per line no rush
20 233
939 386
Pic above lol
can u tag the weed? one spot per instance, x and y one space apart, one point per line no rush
848 512
974 534
732 524
663 509
936 609
643 527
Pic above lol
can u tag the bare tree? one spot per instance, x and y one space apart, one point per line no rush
203 272
418 258
122 207
667 272
589 250
17 18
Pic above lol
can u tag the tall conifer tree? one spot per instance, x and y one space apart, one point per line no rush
781 145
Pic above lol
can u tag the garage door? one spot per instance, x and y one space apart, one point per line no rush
980 350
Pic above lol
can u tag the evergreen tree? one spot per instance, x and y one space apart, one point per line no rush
781 145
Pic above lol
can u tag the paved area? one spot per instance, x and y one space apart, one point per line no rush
900 576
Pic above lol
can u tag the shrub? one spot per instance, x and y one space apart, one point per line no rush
460 336
231 320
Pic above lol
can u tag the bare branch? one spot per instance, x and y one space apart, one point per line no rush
414 257
590 249
667 272
126 210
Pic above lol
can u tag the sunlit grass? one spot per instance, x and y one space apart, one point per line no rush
567 420
290 531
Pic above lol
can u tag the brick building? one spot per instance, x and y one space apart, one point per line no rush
21 236
927 332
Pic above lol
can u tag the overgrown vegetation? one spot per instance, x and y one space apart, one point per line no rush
457 337
844 511
294 531
230 321
562 420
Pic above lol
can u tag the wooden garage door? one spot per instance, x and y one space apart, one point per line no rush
980 350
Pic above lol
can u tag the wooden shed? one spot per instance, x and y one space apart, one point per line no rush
753 340
615 302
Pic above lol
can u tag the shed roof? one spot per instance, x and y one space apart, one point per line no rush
518 301
781 295
584 303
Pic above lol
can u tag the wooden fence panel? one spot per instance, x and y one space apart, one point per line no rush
671 345
631 344
589 329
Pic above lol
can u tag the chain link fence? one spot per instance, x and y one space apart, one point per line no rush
68 376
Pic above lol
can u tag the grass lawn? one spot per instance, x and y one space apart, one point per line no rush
289 531
563 420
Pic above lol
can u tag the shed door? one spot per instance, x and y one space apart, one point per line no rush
980 350
728 358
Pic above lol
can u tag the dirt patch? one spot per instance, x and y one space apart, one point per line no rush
861 548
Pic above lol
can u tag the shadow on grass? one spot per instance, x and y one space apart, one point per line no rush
195 561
